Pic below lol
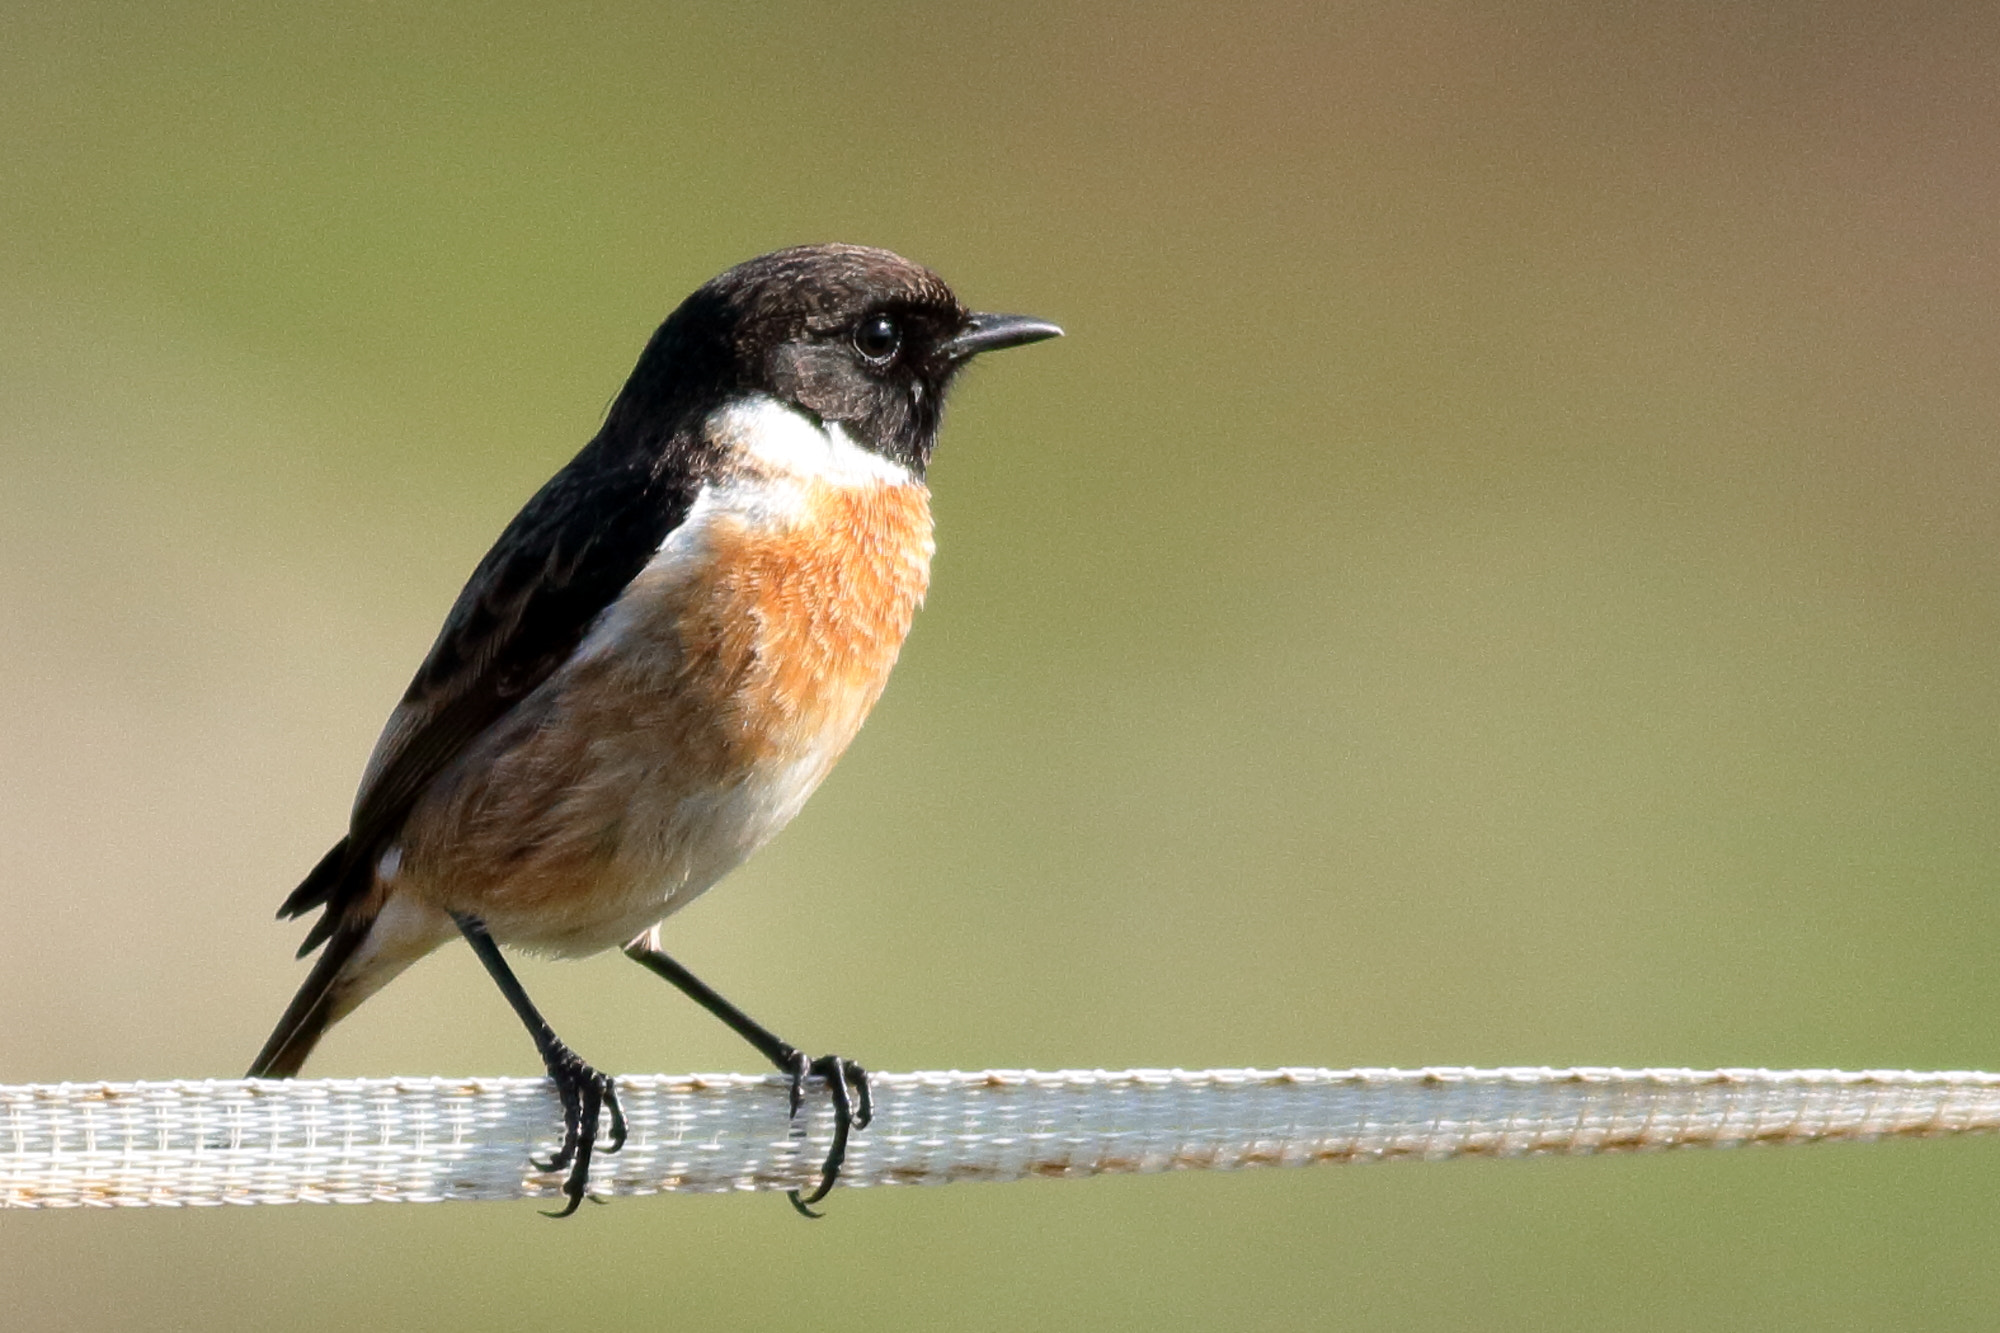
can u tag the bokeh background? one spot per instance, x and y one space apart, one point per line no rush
1505 569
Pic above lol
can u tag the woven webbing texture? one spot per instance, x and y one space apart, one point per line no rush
420 1140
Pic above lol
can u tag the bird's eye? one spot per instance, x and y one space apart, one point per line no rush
877 338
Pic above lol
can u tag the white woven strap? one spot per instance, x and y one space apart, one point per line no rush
420 1140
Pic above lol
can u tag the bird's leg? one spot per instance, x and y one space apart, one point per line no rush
846 1081
583 1090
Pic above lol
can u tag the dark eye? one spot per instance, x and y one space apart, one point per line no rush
877 338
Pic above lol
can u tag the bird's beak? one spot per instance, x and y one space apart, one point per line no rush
990 333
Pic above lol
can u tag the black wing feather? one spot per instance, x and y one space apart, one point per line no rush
565 558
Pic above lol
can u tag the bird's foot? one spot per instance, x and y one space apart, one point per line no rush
853 1108
585 1093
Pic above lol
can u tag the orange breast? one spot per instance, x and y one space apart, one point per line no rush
800 621
730 676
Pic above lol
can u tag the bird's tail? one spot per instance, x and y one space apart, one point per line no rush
313 1010
360 958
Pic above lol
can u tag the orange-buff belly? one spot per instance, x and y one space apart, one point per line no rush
692 724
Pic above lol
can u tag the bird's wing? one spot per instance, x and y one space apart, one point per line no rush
566 556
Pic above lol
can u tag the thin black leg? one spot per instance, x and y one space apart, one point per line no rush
846 1081
583 1090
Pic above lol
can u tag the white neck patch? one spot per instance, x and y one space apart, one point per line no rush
786 441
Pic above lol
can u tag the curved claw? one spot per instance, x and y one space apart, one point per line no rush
853 1108
585 1093
864 1114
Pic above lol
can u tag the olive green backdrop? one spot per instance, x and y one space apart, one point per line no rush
1505 568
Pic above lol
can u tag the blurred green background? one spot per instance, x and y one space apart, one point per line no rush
1505 569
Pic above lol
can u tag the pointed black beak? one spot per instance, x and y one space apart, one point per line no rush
990 333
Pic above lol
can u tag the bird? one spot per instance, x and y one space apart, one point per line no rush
657 662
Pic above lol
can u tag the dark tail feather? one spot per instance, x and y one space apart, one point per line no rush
311 1011
322 888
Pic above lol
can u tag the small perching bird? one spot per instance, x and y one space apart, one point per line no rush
659 660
